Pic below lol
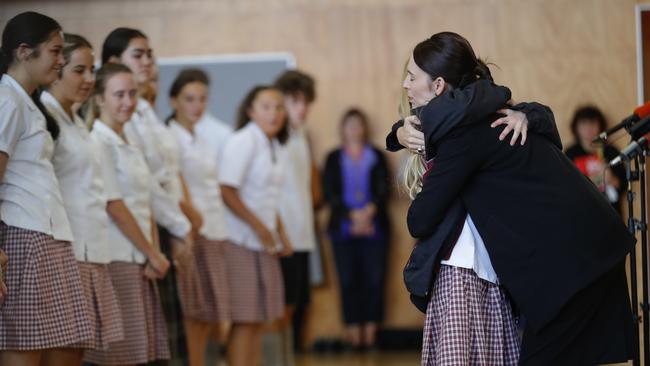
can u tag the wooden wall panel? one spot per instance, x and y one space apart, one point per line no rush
559 52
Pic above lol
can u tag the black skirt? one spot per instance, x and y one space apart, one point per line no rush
595 327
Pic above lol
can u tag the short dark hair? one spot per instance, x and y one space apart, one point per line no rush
118 41
588 112
294 82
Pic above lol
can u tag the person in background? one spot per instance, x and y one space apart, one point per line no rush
297 204
356 188
203 286
136 259
592 158
78 167
251 176
43 310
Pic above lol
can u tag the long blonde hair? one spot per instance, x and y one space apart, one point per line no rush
415 166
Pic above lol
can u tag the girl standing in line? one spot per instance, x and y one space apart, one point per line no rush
77 164
136 260
44 309
203 285
251 181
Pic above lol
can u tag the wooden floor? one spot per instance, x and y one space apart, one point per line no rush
369 359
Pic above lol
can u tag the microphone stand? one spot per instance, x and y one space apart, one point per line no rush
634 225
631 225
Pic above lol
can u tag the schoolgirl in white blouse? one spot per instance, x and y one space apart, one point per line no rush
77 164
136 260
251 178
44 307
203 286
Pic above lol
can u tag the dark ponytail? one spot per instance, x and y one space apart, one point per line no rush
50 122
450 56
32 29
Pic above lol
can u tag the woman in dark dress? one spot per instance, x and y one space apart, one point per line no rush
356 188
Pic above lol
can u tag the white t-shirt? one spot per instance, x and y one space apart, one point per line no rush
29 192
215 131
161 153
199 168
78 167
297 206
255 166
125 171
470 253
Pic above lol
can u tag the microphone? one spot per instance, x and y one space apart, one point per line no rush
639 113
629 151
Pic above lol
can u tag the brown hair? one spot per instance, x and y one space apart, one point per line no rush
242 113
90 111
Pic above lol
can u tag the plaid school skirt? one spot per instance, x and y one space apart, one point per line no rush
255 283
203 288
145 330
45 305
469 321
105 315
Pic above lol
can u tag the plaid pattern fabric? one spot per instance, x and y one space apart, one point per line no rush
45 305
255 282
203 289
105 314
145 330
469 322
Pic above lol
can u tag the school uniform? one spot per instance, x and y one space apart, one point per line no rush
45 305
77 165
203 288
161 152
215 131
125 172
255 166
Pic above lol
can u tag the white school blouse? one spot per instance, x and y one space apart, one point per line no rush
215 131
199 168
469 252
78 167
125 171
29 193
255 166
296 208
161 152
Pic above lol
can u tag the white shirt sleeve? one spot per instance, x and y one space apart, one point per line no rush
109 172
236 159
168 212
12 126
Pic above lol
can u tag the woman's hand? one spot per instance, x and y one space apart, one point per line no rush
158 263
193 216
515 121
182 255
267 239
410 136
3 270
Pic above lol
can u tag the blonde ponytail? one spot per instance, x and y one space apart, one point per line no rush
415 167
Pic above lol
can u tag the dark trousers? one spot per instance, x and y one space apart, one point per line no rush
297 290
361 267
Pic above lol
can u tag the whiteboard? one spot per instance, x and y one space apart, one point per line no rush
232 76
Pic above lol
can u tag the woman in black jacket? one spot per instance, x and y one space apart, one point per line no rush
356 189
556 245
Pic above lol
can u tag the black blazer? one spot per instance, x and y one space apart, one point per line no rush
333 189
548 230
